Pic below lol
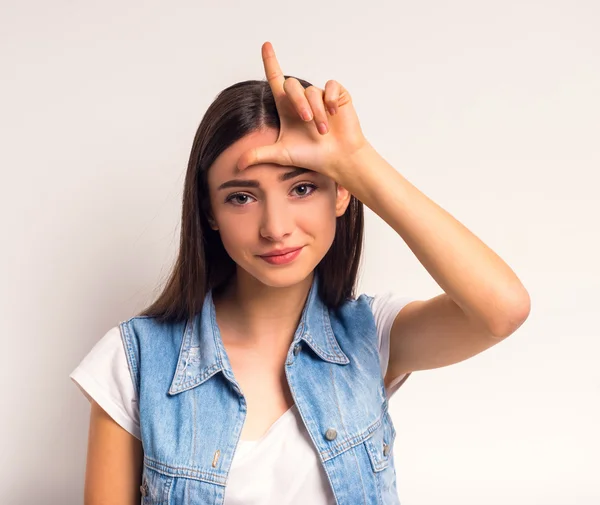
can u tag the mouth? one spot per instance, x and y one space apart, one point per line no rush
282 252
282 259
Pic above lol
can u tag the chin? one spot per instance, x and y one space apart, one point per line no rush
280 278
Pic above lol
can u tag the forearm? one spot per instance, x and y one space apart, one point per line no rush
473 275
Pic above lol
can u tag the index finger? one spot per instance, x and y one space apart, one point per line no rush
273 70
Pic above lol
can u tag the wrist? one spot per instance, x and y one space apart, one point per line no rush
356 170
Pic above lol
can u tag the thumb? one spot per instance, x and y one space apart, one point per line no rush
273 153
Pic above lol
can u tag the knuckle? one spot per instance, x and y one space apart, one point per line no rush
313 90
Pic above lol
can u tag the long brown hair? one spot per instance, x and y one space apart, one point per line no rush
203 263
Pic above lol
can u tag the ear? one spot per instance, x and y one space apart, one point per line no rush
211 221
342 200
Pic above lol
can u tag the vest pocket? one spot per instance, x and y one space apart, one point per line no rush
380 444
155 487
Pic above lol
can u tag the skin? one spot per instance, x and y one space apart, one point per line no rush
268 298
258 312
114 462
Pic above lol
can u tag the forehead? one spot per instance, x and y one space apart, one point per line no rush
224 167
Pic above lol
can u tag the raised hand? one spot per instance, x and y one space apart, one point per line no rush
319 128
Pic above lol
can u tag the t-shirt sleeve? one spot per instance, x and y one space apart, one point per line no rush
385 307
103 375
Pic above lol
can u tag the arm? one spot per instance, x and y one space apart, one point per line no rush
114 462
434 333
483 300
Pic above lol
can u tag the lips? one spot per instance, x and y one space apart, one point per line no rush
280 252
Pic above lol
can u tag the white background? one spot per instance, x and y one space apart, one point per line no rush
490 108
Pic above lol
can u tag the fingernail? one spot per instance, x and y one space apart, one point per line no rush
331 111
322 128
306 115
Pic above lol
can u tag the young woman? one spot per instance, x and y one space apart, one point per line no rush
258 376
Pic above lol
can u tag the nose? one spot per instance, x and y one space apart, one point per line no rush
277 221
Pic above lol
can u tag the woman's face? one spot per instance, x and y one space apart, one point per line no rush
283 207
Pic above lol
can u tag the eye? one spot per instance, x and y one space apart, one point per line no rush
306 185
232 198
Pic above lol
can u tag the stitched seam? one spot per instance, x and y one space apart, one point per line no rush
180 471
337 403
182 349
130 354
351 441
194 381
326 323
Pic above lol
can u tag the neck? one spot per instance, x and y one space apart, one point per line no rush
253 313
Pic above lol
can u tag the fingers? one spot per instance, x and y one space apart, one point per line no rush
272 153
314 97
332 95
273 71
312 102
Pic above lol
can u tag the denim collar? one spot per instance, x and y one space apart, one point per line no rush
202 353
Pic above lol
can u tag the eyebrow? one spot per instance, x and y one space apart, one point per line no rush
250 183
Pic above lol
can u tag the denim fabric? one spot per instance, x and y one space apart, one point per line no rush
192 409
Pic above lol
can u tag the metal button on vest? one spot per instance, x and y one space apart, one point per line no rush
330 434
386 449
297 349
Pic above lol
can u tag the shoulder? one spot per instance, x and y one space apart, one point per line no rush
103 376
381 306
387 303
107 347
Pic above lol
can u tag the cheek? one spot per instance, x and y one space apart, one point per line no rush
233 234
320 224
319 221
236 236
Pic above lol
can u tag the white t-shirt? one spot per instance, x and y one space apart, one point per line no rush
282 467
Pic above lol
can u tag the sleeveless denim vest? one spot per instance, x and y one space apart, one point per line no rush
192 409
